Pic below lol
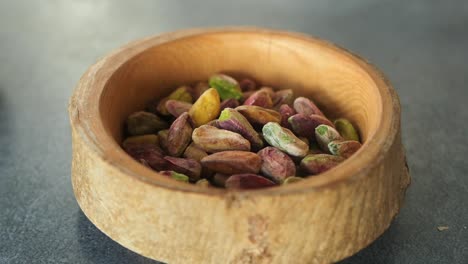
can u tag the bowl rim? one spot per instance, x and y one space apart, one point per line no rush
84 110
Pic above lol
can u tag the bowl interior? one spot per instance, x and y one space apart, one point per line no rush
331 77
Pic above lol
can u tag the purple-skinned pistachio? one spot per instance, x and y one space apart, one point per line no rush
233 162
304 125
259 115
214 123
283 97
286 112
248 181
149 154
233 121
305 106
180 94
189 167
318 163
276 164
179 136
260 98
229 103
246 95
247 84
176 108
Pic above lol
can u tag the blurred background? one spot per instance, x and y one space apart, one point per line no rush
45 46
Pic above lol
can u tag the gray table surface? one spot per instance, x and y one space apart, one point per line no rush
45 46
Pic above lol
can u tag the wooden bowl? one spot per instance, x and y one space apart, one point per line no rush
322 219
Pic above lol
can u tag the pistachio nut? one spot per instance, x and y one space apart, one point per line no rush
324 134
230 119
212 139
163 138
318 163
149 154
176 108
141 123
248 181
286 112
180 94
143 139
189 167
206 108
285 140
276 164
229 103
226 86
346 129
344 148
194 152
306 107
260 98
247 84
283 97
259 115
304 125
233 162
179 136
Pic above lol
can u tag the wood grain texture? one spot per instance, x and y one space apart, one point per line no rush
323 219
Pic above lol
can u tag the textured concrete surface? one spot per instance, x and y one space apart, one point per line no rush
45 46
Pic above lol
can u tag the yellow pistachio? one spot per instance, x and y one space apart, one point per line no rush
206 108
